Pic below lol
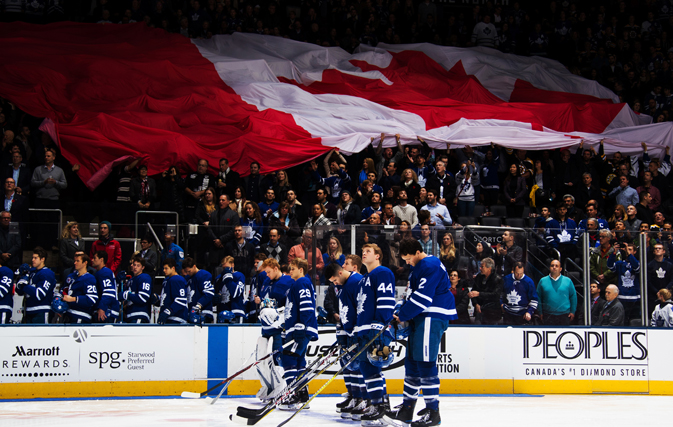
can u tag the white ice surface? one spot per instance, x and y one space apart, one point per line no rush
472 411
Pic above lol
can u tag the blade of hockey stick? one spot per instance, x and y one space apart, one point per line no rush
190 394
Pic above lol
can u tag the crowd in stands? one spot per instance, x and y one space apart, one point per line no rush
562 194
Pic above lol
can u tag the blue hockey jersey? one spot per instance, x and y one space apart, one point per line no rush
567 232
201 291
628 276
336 183
300 309
256 285
234 283
375 300
176 252
279 288
174 298
430 294
348 304
551 230
138 298
107 293
84 289
6 294
40 291
519 296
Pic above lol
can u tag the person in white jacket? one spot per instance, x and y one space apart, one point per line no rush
662 316
485 34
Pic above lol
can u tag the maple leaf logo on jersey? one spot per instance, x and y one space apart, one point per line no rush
288 310
343 314
513 298
564 237
627 280
361 298
660 273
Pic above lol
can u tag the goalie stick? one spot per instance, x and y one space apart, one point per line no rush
193 395
248 416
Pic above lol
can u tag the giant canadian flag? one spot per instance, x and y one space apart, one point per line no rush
113 91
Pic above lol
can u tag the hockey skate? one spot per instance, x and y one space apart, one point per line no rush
373 416
346 411
344 403
430 418
400 416
359 410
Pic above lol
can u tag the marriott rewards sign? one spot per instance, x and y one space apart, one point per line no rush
71 354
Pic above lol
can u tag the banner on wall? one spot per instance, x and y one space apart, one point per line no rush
71 354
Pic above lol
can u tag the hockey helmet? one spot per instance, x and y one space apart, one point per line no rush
225 316
195 318
381 357
59 306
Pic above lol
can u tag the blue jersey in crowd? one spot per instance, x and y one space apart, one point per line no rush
40 291
300 309
375 300
174 298
84 289
138 298
176 252
519 295
430 292
201 291
628 276
107 293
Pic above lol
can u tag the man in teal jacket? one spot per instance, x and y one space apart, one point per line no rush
558 298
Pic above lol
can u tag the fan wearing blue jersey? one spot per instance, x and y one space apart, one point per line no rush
138 296
624 262
234 282
346 279
428 310
6 293
519 297
254 302
201 290
82 296
375 305
39 291
301 326
107 309
173 296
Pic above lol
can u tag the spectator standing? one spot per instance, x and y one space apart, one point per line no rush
15 203
71 243
269 205
429 246
227 179
221 229
627 268
48 181
252 223
20 172
508 253
330 208
286 223
242 251
612 313
274 249
339 180
623 193
305 250
597 302
10 243
466 191
143 190
662 317
195 185
558 298
459 289
442 181
659 275
348 212
484 33
404 211
644 213
149 256
440 215
108 244
172 189
485 293
519 297
253 184
514 191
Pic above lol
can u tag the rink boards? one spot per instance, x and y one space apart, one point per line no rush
132 360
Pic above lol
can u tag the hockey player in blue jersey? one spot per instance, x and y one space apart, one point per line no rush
273 296
39 291
375 305
519 297
173 296
347 282
252 307
82 296
6 293
107 308
201 290
137 298
234 283
301 326
428 309
626 265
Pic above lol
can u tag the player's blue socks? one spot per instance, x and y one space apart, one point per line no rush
374 382
430 384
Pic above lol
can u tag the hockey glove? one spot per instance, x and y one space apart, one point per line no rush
268 316
163 316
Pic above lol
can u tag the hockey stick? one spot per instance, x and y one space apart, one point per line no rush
253 418
365 347
193 395
291 388
226 385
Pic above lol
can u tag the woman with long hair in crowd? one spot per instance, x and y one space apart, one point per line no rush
367 166
205 207
284 221
348 212
447 252
515 192
172 191
251 221
460 289
71 242
409 183
281 186
238 202
334 253
482 250
618 215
